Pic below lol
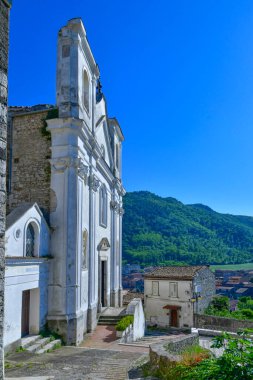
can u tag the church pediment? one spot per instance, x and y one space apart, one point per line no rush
104 245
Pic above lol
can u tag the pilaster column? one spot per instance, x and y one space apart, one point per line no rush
114 274
121 213
92 306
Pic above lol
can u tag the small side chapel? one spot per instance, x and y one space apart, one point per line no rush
64 223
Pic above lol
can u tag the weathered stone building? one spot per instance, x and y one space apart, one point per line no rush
172 295
29 156
64 163
4 47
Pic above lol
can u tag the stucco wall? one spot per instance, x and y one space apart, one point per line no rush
135 308
203 284
20 276
153 305
15 243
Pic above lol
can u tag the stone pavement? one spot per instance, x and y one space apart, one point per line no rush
73 363
104 337
100 357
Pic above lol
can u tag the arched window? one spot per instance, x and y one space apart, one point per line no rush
103 206
30 241
86 91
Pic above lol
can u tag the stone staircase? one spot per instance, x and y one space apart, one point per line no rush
109 319
37 344
111 316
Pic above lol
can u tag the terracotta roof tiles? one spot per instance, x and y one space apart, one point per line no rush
175 273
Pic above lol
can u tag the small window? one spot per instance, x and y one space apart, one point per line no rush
86 91
30 241
117 156
155 288
103 206
173 290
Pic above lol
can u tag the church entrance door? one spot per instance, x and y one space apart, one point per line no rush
25 319
103 283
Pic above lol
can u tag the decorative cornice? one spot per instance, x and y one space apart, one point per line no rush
60 164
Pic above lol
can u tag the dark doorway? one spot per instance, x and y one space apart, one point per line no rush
103 283
25 313
173 318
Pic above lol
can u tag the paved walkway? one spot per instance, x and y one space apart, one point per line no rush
104 337
99 357
73 363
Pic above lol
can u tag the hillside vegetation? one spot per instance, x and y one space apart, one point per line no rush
164 231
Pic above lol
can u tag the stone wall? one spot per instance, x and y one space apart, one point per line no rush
4 46
28 159
219 323
165 354
205 279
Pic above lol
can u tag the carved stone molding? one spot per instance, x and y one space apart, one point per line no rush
104 245
82 170
121 211
59 165
114 206
94 182
116 184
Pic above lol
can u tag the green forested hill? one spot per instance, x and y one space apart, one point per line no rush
163 231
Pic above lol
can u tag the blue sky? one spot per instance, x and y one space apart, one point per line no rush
178 75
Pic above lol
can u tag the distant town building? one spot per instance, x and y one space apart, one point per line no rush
173 294
234 283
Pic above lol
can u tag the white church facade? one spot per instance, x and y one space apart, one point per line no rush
64 227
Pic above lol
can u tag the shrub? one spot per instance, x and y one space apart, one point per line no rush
194 354
236 362
220 303
124 322
247 313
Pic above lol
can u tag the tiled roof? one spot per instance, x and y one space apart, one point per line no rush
129 296
175 273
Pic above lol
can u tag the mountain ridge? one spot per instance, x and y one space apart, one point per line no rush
164 231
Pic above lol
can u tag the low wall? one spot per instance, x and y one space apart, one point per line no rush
212 322
167 353
127 335
137 329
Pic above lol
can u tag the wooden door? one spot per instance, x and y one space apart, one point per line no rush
173 318
25 313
